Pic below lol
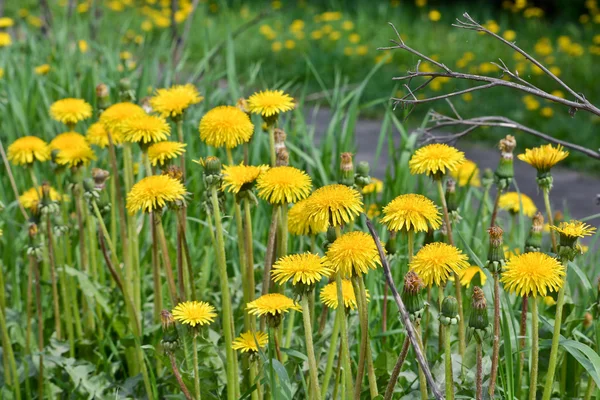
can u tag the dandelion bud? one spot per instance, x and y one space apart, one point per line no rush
46 204
496 258
505 171
534 240
362 178
478 320
170 339
283 157
588 319
102 96
412 296
390 245
346 169
451 199
279 136
100 176
449 314
126 93
488 178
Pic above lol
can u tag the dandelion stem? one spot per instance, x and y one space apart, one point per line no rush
496 336
178 377
479 372
232 371
8 350
448 366
271 131
422 378
179 125
40 322
196 373
157 287
52 261
331 354
534 351
550 216
312 362
120 205
495 209
160 233
249 257
522 333
389 391
457 285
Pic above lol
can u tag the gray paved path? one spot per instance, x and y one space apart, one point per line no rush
573 189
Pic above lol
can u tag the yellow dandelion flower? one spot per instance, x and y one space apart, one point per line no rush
250 342
162 152
549 301
226 126
6 22
83 46
31 198
172 102
98 136
270 103
434 15
435 262
376 186
70 111
573 230
284 184
333 205
411 212
329 295
511 202
145 129
435 159
353 253
467 174
533 274
26 150
306 268
194 313
298 224
72 149
114 115
241 177
42 69
5 39
373 211
273 304
153 193
467 275
545 157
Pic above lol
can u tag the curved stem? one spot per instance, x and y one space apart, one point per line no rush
534 351
389 391
448 364
312 362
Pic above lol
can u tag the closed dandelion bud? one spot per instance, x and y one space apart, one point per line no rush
496 258
346 169
283 157
505 170
102 97
588 319
170 339
46 204
449 314
100 176
451 199
487 178
280 136
212 171
478 320
362 177
330 237
89 189
391 244
126 93
534 240
412 296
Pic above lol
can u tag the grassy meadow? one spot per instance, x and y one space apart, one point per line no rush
100 274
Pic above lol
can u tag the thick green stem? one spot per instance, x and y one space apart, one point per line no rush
441 326
549 216
411 244
560 301
52 261
160 233
312 361
83 254
331 354
479 372
496 336
271 131
422 378
179 125
66 298
534 350
249 272
156 280
457 286
228 330
196 372
448 366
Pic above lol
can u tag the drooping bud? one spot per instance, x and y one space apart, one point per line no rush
346 169
283 157
170 339
496 258
449 314
534 240
505 170
362 177
412 296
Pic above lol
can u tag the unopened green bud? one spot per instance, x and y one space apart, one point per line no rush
479 315
363 168
544 180
390 245
505 171
534 240
346 169
412 296
170 339
449 314
488 178
451 198
496 258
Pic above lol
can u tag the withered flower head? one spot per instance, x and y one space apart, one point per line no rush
174 172
242 104
283 157
166 319
478 298
537 222
413 284
100 176
102 90
507 146
346 163
495 233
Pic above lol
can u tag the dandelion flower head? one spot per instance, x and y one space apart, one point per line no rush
270 103
172 102
194 313
241 177
533 274
250 342
145 129
329 295
27 149
436 159
162 152
411 212
70 111
98 136
511 201
353 253
467 174
153 193
226 126
305 268
436 262
543 158
273 304
333 205
284 184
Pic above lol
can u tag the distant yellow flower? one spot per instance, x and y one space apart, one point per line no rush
42 69
299 224
376 186
273 304
72 149
145 129
172 102
333 205
163 152
574 229
353 253
250 342
531 103
509 35
276 46
420 3
373 211
549 301
98 136
83 46
411 212
435 262
511 202
434 15
306 268
114 115
349 25
329 295
435 159
70 111
241 177
153 193
270 103
362 50
5 39
467 275
226 126
533 274
194 313
279 185
27 149
467 174
545 157
289 44
6 22
354 38
31 198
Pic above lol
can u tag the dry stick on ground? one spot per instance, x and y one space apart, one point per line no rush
410 329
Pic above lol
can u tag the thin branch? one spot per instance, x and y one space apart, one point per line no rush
410 329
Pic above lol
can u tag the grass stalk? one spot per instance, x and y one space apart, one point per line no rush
333 348
10 356
534 350
312 361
